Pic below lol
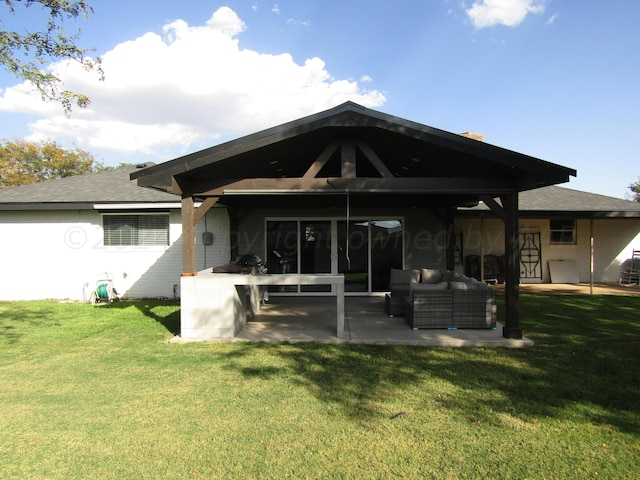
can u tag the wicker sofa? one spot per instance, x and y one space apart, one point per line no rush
442 300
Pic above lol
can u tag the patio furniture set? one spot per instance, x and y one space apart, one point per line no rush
429 298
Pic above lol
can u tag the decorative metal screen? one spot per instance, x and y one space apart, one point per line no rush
530 255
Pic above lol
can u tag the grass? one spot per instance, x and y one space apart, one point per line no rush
98 392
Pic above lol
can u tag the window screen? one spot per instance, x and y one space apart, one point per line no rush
136 230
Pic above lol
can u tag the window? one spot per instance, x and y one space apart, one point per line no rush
562 232
136 230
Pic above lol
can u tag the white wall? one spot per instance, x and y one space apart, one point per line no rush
614 242
61 255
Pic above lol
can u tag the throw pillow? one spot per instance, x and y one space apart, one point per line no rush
430 275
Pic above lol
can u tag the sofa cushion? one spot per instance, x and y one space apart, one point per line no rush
430 275
397 276
462 286
428 286
449 276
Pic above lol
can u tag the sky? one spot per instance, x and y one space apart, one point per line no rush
555 79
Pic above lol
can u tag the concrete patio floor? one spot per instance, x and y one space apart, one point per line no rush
313 319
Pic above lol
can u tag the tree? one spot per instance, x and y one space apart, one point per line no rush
23 54
23 162
635 191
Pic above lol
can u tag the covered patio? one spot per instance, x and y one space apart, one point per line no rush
308 319
345 169
312 319
299 319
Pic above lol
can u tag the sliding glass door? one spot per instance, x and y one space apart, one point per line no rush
364 250
315 251
353 254
387 240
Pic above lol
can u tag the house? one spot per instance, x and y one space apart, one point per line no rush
352 191
59 238
349 190
590 235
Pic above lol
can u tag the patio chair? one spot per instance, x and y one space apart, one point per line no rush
630 270
492 269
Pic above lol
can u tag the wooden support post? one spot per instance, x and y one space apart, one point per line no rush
188 238
512 266
451 239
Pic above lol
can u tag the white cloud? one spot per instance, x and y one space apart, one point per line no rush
487 13
552 19
299 23
188 86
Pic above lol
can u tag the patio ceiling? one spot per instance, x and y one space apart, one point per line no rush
355 149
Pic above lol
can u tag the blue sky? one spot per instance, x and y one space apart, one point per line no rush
555 79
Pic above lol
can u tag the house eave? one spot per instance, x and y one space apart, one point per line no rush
538 214
58 206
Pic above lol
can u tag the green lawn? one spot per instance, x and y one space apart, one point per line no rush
98 392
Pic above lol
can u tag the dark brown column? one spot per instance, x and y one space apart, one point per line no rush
451 238
188 238
512 266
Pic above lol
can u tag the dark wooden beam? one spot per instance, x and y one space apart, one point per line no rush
348 159
322 159
495 207
396 185
174 187
511 328
202 210
374 159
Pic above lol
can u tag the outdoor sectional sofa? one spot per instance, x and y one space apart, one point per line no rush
440 299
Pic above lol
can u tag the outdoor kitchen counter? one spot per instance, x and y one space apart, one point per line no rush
215 305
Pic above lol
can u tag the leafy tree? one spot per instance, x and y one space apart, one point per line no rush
635 191
23 54
23 162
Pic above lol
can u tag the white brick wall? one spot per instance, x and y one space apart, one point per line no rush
60 255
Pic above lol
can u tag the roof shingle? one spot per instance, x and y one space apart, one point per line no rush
107 186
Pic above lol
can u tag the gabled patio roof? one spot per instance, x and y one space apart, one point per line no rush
353 148
374 158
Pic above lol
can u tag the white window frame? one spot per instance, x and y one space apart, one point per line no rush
563 231
138 242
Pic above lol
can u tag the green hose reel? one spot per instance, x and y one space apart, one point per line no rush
102 291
